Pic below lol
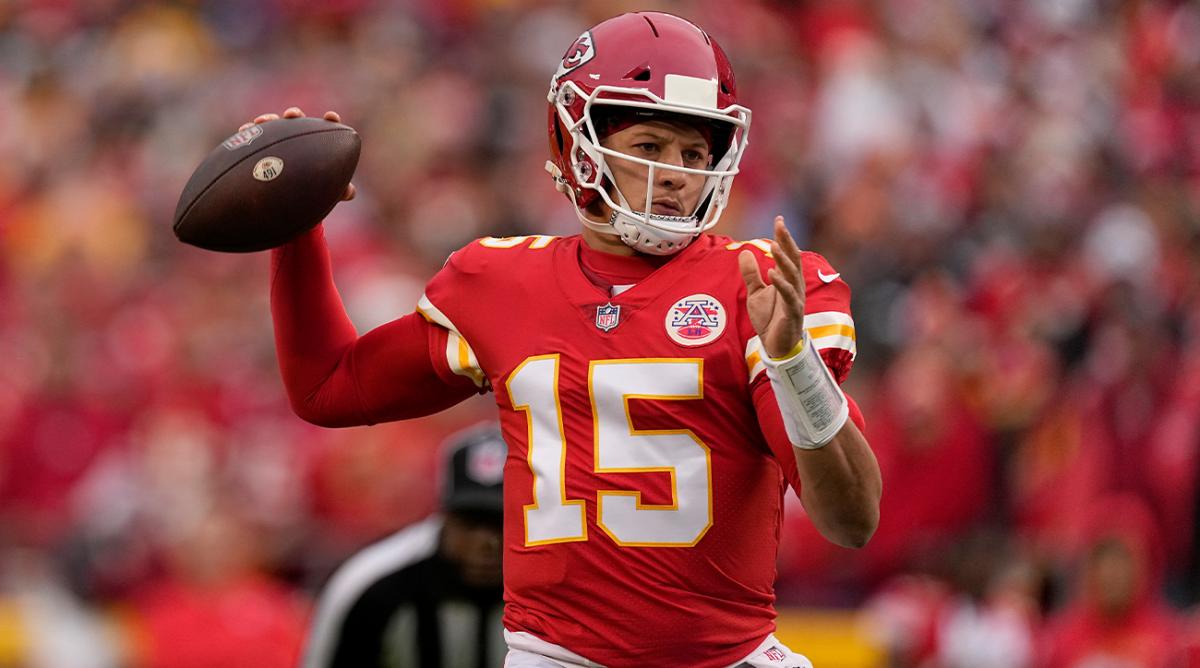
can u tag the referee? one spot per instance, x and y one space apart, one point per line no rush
429 596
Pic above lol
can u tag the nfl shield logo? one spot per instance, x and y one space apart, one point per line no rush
775 654
608 316
242 138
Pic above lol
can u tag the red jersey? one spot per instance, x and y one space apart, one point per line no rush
642 499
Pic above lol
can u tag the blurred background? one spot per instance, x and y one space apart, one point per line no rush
1011 188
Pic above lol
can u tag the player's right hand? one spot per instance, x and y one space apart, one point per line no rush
776 309
296 112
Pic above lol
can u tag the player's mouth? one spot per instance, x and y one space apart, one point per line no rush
666 207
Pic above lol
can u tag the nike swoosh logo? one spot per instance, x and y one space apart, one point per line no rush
827 278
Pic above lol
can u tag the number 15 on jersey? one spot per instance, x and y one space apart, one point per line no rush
533 387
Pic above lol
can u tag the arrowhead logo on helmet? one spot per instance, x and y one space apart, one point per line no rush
580 52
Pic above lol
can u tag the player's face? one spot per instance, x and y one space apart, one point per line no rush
675 193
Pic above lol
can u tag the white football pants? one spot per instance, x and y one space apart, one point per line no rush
528 651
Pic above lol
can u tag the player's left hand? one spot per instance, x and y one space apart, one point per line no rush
776 310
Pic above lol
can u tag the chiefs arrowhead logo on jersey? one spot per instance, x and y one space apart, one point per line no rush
695 320
580 52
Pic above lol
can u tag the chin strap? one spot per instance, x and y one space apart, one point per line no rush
650 240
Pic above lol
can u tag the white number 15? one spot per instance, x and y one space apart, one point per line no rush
618 447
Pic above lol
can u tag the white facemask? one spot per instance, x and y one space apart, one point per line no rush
640 229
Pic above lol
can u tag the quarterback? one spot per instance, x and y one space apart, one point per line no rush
660 388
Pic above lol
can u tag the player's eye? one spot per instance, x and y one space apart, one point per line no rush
694 157
647 147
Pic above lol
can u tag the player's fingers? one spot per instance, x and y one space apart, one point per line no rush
263 118
243 126
793 302
293 112
750 273
786 263
351 191
333 116
791 250
784 237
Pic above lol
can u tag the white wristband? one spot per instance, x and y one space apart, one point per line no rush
813 406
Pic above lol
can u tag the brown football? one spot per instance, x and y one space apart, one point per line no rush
267 184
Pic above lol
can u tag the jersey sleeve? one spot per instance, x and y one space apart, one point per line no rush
446 300
827 317
470 292
827 320
336 378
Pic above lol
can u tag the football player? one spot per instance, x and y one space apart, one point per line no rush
659 387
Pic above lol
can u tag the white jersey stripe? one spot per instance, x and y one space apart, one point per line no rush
754 355
831 329
462 360
838 341
823 318
459 355
432 314
828 329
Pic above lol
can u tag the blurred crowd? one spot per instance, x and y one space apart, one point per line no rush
1011 188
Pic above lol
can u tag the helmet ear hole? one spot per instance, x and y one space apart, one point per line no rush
558 137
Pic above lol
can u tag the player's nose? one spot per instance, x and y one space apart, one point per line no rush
671 155
669 178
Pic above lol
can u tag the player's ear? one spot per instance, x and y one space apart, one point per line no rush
597 209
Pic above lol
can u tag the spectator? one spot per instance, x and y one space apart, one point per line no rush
1117 614
213 607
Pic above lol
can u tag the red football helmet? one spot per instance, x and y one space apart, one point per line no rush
653 63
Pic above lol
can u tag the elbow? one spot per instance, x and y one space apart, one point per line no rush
852 528
855 534
313 417
311 413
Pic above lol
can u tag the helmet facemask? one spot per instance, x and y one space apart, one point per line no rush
634 222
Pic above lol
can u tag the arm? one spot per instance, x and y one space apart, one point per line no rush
841 487
840 481
334 378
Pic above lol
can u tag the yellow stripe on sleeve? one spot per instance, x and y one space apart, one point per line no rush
754 358
459 356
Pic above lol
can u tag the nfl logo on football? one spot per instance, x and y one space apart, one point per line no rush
242 138
608 316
